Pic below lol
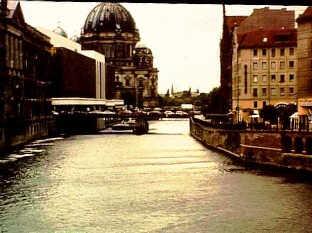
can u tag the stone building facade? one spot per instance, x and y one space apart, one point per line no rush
305 62
261 19
24 78
110 29
264 69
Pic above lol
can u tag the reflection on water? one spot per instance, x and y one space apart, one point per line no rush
161 182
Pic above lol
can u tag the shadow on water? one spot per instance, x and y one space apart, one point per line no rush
155 133
286 175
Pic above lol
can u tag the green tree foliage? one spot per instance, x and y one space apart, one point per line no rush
214 102
281 112
284 112
269 113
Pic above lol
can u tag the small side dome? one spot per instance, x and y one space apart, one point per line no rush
143 56
60 31
140 45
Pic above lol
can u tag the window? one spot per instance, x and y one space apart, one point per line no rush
273 65
264 65
291 64
127 82
255 65
282 78
282 91
264 78
273 77
291 51
255 78
282 52
273 91
239 79
273 52
255 52
264 52
291 77
282 65
255 104
264 91
141 83
291 90
255 92
245 79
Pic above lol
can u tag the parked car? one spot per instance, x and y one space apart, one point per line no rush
181 114
154 115
169 114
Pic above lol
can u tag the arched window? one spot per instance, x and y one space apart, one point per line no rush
127 81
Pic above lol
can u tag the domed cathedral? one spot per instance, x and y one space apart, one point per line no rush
110 29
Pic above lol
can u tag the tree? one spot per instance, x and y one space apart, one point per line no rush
214 102
269 113
284 112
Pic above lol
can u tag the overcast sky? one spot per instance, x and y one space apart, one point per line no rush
184 38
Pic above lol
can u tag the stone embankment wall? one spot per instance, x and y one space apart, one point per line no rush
10 138
269 148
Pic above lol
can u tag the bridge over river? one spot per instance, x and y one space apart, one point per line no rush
164 181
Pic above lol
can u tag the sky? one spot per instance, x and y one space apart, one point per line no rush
184 38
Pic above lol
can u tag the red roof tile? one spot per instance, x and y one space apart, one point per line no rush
232 21
268 38
306 16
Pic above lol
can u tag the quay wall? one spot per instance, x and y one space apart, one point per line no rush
265 148
12 136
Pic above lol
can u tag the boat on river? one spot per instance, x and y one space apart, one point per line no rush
125 125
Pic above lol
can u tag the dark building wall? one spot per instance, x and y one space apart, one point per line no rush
110 82
226 53
74 74
24 80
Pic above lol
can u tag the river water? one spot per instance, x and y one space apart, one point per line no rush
161 182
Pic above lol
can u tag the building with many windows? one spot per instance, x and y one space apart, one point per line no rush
24 78
264 69
260 20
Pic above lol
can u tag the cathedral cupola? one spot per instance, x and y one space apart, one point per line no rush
143 56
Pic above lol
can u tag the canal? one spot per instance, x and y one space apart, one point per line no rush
161 182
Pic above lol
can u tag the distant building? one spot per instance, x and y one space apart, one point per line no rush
110 29
264 69
304 54
25 83
261 19
185 93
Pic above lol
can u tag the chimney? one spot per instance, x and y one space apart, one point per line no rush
3 8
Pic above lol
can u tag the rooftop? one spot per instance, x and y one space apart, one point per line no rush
268 38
